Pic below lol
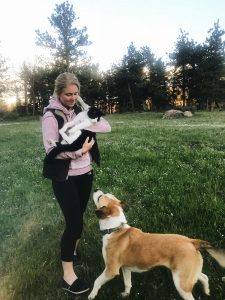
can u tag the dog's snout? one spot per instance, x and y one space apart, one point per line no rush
99 213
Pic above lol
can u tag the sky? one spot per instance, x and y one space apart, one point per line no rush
111 26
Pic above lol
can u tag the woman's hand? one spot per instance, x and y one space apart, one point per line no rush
87 145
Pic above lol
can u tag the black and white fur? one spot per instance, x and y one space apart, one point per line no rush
72 130
77 134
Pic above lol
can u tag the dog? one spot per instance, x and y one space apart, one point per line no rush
132 250
89 116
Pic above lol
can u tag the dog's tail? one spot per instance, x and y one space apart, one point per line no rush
217 254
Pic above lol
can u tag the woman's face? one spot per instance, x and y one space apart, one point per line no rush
69 96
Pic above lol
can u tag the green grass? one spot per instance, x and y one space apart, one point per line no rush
170 172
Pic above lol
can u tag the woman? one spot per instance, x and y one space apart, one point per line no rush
73 191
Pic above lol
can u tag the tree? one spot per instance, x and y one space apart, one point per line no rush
138 77
182 62
127 78
158 86
3 70
154 81
38 86
199 70
66 45
132 66
91 83
25 77
212 68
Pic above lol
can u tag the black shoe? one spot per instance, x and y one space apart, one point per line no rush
78 287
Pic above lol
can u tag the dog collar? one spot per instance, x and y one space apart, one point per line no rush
110 230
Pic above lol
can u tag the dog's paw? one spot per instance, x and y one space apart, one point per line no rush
125 294
91 296
207 292
52 143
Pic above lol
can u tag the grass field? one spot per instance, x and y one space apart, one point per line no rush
170 172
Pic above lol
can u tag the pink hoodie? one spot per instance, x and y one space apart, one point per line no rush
80 164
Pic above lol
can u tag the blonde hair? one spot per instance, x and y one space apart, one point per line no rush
63 80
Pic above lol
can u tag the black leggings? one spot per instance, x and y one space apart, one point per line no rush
72 196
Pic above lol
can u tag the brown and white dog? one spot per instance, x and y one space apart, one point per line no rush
135 251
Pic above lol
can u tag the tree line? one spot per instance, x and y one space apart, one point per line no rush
193 77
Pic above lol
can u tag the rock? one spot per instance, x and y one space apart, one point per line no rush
173 114
188 114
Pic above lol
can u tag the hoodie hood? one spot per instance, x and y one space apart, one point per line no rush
54 103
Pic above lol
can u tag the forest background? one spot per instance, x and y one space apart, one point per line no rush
193 77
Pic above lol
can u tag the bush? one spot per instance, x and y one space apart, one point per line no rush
9 115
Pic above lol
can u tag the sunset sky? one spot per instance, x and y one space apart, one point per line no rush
111 25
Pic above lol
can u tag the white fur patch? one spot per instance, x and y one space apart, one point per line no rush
110 196
96 195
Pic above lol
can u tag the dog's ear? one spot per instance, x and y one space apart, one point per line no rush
102 212
124 206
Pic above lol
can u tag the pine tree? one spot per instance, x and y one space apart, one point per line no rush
67 42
